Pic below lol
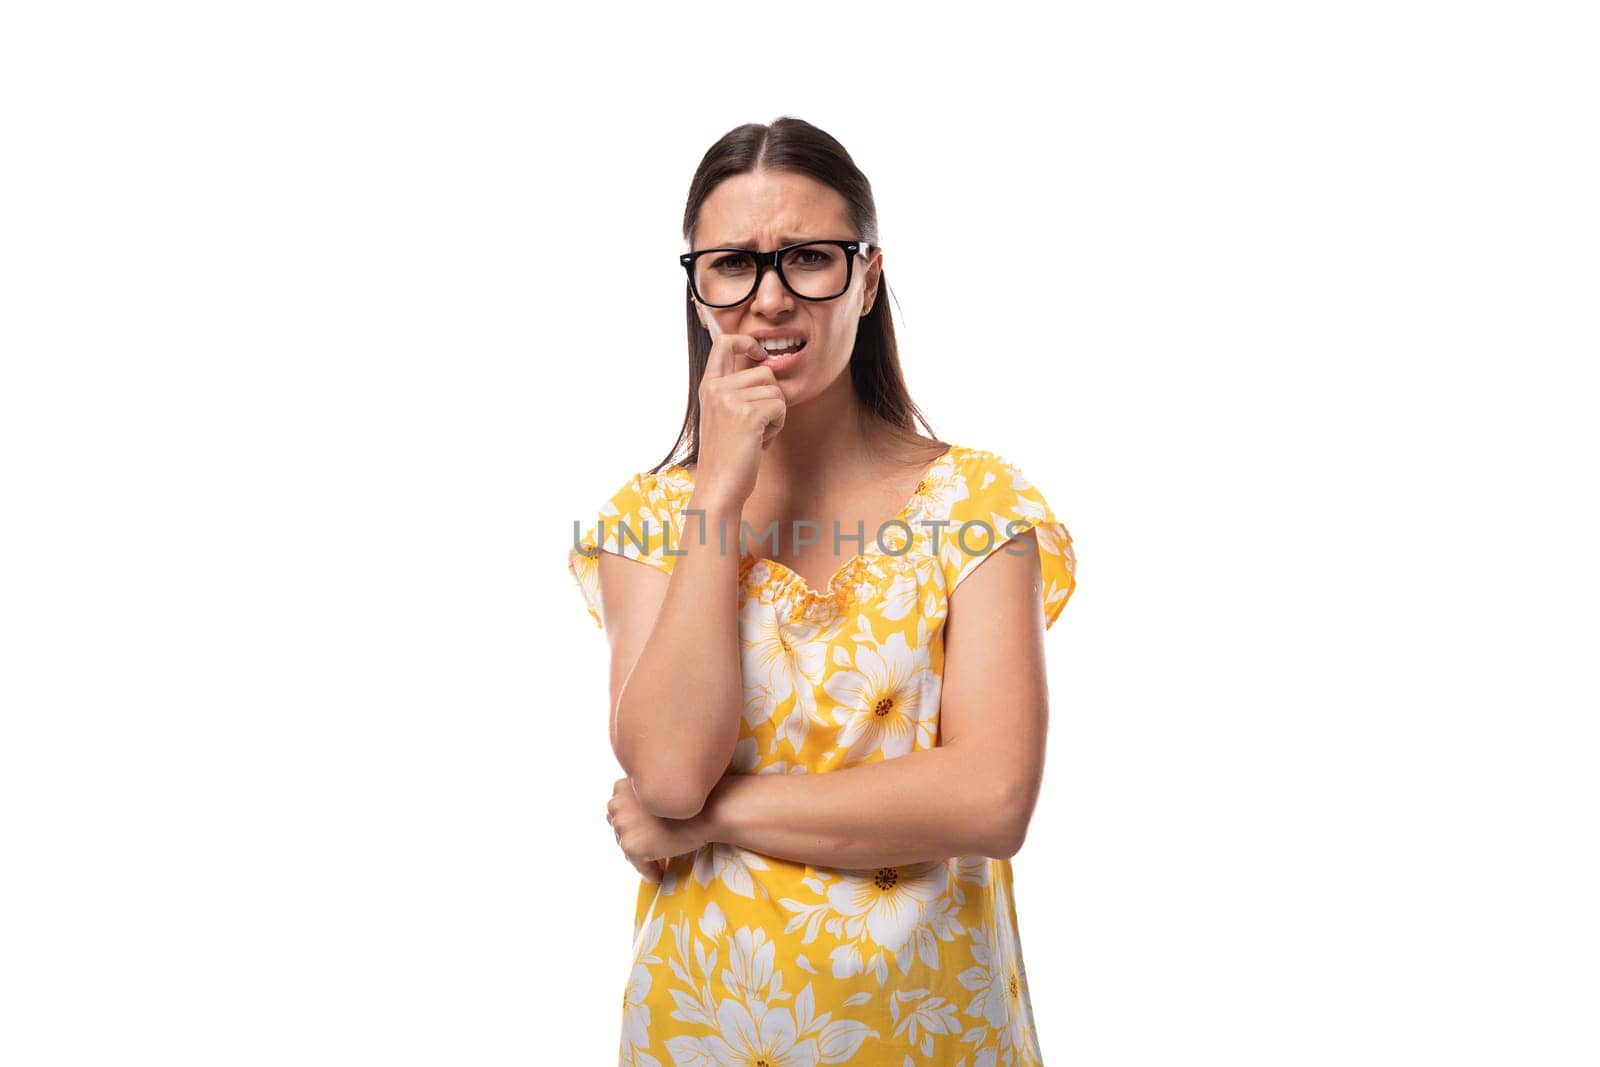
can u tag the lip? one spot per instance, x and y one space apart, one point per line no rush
787 359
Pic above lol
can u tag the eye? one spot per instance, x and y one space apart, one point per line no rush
730 263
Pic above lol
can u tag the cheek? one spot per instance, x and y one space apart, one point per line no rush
840 332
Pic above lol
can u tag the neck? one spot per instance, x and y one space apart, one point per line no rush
824 441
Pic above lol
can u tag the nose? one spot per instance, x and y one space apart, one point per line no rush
772 297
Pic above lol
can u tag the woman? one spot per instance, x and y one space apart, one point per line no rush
834 737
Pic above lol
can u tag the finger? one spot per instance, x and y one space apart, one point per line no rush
765 388
747 351
758 377
732 353
773 411
720 360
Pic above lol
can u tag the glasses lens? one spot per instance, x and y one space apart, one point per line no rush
818 272
724 277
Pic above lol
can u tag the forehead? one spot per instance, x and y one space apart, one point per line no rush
770 208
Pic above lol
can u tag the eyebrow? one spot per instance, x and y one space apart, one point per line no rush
785 239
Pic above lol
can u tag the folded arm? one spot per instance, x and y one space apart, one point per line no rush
924 805
676 688
974 794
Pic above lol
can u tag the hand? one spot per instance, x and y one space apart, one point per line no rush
647 840
741 410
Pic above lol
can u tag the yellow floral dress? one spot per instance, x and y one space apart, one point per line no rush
744 958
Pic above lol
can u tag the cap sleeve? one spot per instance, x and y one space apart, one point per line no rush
1000 503
638 522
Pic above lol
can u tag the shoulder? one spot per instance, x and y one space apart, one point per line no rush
991 503
640 520
679 479
667 488
635 519
649 494
989 479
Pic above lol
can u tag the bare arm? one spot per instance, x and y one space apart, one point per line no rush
675 672
676 676
972 795
921 806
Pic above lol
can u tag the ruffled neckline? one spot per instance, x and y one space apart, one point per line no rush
839 591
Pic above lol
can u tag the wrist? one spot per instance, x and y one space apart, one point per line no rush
712 519
717 504
716 816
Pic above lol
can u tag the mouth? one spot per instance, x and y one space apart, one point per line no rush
784 352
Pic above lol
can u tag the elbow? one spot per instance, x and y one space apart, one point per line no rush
667 779
662 785
661 792
667 798
1006 841
1008 827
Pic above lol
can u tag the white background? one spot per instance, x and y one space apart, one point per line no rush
323 322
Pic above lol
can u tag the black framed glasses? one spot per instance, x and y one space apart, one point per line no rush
811 270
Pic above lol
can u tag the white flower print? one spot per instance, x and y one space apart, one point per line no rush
749 974
781 656
889 902
932 1015
731 865
712 921
635 1013
672 487
746 1040
999 981
902 596
635 1009
1054 539
584 567
748 1028
941 488
889 703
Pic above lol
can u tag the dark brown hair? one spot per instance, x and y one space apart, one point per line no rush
791 144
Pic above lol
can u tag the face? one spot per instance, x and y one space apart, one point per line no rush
773 209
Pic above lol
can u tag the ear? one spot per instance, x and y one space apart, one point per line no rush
869 289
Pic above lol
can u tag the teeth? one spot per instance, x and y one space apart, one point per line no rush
783 344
